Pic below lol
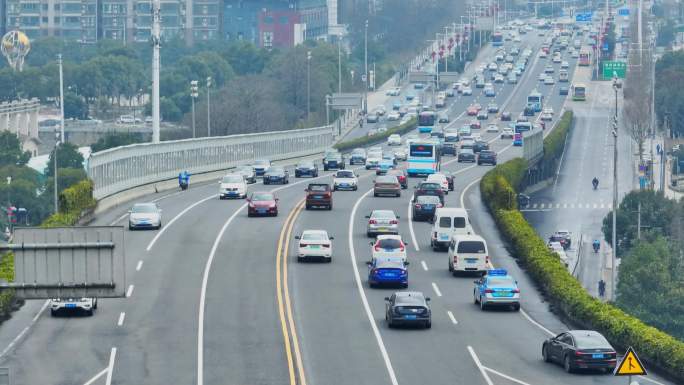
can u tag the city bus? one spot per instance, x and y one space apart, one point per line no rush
426 121
535 100
584 58
579 92
497 39
423 158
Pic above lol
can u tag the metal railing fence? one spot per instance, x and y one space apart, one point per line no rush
122 168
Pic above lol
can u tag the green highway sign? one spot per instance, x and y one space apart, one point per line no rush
611 68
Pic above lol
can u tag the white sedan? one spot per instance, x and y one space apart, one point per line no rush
144 215
492 128
232 186
388 245
548 110
546 116
393 116
467 91
63 305
394 140
507 132
345 180
314 244
549 81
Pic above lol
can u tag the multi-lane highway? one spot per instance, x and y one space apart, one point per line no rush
215 297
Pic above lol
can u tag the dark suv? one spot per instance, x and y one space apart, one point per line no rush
486 156
333 160
319 195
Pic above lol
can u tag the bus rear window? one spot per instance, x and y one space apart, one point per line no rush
421 150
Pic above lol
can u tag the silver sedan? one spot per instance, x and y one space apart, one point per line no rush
382 222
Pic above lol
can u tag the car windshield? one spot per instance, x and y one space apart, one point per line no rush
145 208
232 179
318 187
396 263
261 162
276 170
501 282
345 174
591 341
390 243
383 214
427 199
262 197
386 179
430 186
306 165
314 236
471 247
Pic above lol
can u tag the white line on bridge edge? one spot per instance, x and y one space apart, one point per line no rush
140 263
424 265
537 324
110 368
436 289
479 366
121 319
180 214
25 330
129 292
97 376
409 215
451 317
362 293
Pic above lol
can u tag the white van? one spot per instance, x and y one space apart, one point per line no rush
468 253
448 221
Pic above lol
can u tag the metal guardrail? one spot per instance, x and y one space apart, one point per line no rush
122 168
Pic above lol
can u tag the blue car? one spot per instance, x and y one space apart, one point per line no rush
396 106
490 93
497 288
387 271
384 166
410 96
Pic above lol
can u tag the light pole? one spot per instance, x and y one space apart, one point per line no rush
308 84
61 95
54 158
156 64
365 71
9 202
194 93
615 190
208 106
339 64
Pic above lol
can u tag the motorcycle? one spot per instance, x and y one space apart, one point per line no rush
595 183
183 185
596 247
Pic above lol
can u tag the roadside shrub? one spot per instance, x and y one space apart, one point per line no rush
74 202
378 138
6 275
554 143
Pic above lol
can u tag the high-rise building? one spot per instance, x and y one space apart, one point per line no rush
69 19
3 17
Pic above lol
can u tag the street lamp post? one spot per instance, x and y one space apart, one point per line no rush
615 190
308 84
61 95
339 64
194 92
9 202
54 158
365 71
209 106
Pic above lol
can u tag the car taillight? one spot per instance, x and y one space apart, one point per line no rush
394 222
377 247
579 353
373 222
326 246
303 244
455 259
401 248
439 205
516 290
418 205
489 291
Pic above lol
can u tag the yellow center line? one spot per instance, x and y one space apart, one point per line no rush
293 330
281 311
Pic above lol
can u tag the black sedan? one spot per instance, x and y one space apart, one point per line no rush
580 349
486 157
408 308
306 168
466 155
505 116
276 175
480 145
424 207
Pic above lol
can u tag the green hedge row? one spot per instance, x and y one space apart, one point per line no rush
74 202
7 275
561 288
364 141
554 143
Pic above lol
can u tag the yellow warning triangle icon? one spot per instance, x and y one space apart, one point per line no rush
630 365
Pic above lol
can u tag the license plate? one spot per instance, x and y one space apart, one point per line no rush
344 185
318 196
315 246
443 237
597 356
471 260
391 275
261 211
383 229
502 294
410 316
70 305
428 207
232 193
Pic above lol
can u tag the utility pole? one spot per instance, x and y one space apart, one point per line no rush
194 93
639 220
61 96
615 191
308 84
208 106
54 163
339 64
365 71
156 63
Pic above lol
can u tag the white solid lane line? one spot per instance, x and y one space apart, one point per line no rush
122 316
505 376
25 330
479 366
96 377
110 368
174 219
362 293
451 317
537 324
203 295
424 265
436 289
409 215
469 185
129 292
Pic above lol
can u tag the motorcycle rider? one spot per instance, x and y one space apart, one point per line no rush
184 179
595 182
597 245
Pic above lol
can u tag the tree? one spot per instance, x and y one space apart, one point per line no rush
67 157
656 217
650 286
115 139
11 152
74 106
